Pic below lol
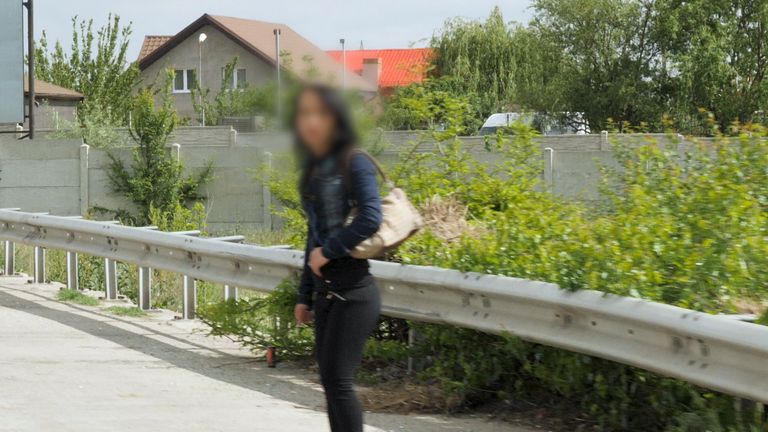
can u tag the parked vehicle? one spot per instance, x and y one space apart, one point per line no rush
547 124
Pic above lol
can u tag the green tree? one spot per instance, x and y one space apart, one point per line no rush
96 65
483 59
155 182
717 56
608 62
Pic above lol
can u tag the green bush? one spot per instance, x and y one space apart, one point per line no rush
683 225
261 322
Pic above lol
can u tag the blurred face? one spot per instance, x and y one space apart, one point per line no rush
315 123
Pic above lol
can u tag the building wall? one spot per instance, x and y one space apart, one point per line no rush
218 50
53 114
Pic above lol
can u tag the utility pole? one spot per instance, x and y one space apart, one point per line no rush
343 64
31 68
279 101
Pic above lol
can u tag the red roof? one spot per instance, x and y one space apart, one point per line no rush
399 67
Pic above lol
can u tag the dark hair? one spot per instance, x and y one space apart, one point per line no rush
344 138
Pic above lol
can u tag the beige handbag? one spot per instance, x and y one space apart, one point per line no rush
400 220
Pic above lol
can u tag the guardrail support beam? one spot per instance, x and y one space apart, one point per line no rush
72 282
230 292
189 289
39 270
110 278
145 288
10 252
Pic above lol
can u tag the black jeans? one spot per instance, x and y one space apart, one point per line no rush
342 326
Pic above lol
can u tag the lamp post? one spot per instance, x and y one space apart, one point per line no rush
200 40
279 101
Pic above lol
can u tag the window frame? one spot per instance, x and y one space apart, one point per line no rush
185 80
235 84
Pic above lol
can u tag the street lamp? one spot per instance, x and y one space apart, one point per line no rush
200 40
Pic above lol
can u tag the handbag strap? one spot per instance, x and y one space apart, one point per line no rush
379 169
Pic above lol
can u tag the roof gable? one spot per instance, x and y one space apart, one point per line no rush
257 37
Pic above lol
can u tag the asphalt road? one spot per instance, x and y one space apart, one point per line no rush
73 368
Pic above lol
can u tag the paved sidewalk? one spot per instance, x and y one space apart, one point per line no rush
72 368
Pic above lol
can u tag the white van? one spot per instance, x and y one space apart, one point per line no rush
546 124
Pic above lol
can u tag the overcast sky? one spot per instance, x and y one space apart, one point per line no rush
379 24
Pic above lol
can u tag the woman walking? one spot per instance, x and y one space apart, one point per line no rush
336 290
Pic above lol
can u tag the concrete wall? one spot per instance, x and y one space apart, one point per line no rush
66 178
218 50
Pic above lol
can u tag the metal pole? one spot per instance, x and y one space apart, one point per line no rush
145 288
279 102
10 251
343 64
31 67
39 276
200 83
72 282
189 290
230 292
110 276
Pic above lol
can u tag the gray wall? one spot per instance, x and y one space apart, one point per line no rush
65 177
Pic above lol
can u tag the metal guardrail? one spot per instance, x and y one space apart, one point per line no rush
716 352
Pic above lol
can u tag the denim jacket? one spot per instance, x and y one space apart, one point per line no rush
327 205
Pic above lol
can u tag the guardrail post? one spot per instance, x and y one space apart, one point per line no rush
230 292
145 288
110 278
10 252
411 341
39 270
189 289
72 282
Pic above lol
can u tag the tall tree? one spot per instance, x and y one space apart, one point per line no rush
482 58
609 63
718 56
96 65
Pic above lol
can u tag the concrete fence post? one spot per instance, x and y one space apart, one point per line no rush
39 270
549 172
84 187
72 282
145 288
604 144
189 289
266 196
176 151
232 137
10 252
110 278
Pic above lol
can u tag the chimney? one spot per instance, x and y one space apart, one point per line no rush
372 70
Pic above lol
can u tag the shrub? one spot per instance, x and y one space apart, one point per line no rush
155 181
261 322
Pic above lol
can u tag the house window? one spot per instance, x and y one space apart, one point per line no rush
238 78
184 80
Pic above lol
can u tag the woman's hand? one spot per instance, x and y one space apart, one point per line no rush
317 260
303 314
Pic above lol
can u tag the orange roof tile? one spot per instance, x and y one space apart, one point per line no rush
399 67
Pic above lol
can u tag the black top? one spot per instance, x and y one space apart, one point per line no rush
327 204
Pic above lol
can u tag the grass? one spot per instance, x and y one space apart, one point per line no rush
74 296
129 311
